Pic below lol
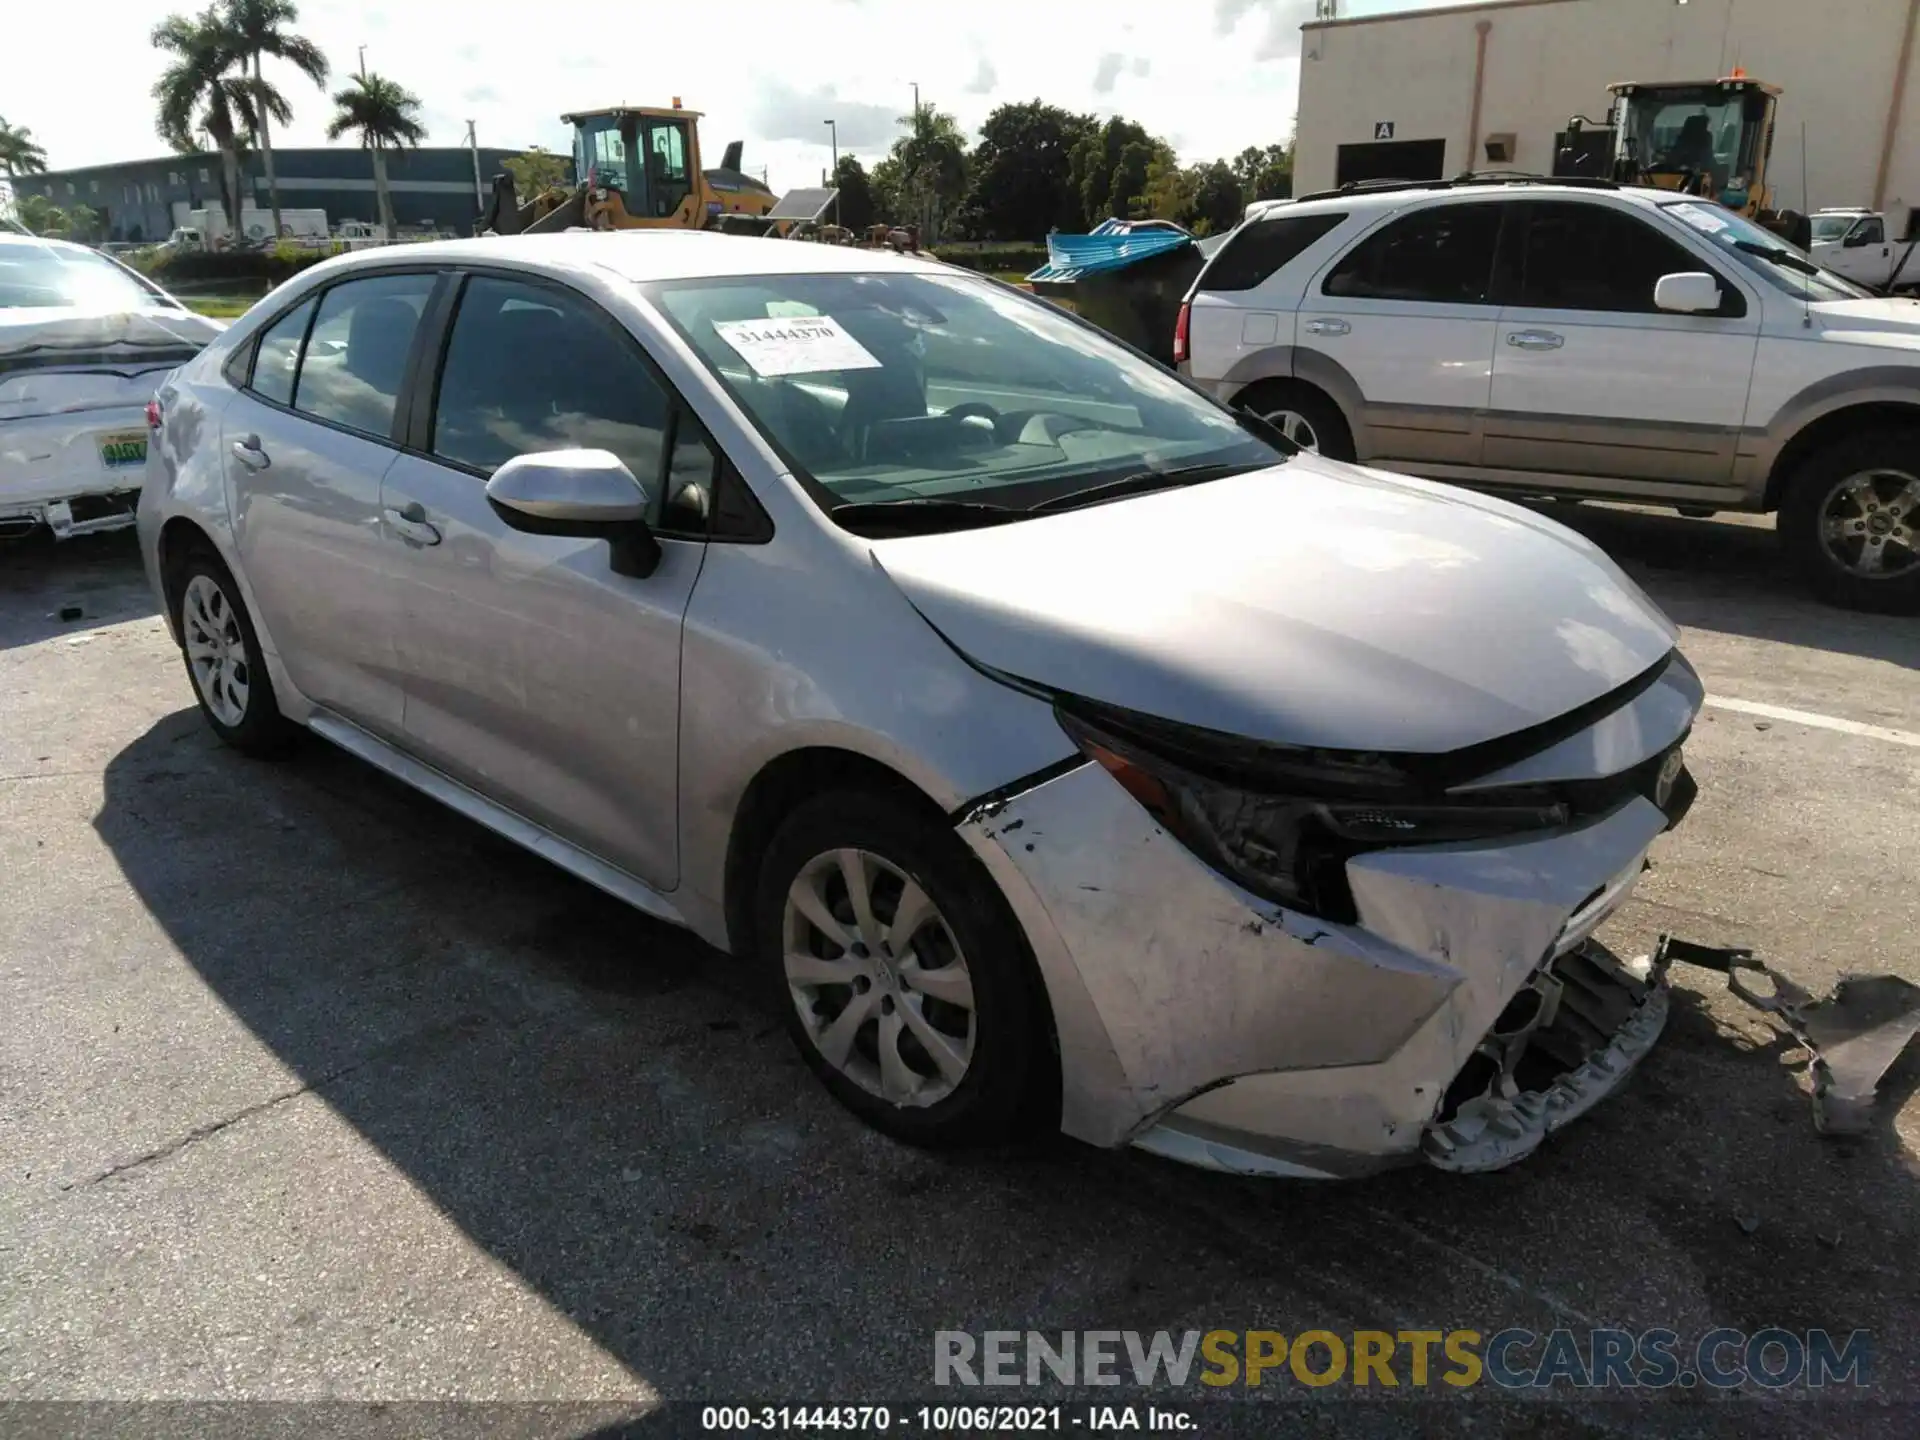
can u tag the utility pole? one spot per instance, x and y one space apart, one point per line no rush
473 147
363 62
833 132
916 97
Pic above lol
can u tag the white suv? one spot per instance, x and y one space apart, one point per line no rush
1581 339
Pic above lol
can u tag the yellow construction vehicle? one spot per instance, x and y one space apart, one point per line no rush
638 167
1711 138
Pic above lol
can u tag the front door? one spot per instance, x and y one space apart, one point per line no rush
1590 379
1407 315
1863 254
533 672
305 444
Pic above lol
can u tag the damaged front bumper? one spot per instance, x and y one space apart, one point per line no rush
1465 1016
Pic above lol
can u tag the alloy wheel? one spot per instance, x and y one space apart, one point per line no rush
879 981
216 649
1868 523
1296 427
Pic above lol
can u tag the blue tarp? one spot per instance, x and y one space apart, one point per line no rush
1110 245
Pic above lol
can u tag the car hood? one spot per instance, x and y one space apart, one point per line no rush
1313 603
46 330
1894 318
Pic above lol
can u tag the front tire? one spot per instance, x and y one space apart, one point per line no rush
903 977
1851 521
223 657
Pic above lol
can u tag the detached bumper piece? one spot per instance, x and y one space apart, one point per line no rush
1852 1037
1563 1044
76 515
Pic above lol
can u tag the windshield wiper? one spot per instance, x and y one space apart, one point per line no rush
918 513
1138 483
1779 256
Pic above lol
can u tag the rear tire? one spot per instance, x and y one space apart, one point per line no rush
1851 521
932 1029
1304 415
224 659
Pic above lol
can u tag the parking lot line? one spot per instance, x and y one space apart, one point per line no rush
1807 717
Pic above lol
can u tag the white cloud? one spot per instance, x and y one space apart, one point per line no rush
763 73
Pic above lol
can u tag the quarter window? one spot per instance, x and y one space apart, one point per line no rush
530 368
356 357
1255 251
1442 254
1592 257
277 362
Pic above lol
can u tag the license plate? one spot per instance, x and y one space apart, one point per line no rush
124 451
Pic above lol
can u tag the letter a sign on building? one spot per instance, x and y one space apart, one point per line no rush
1383 130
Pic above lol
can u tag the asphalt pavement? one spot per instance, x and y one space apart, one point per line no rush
311 1091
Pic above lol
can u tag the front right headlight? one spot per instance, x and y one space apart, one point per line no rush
1283 822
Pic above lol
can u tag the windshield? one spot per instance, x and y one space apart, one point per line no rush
902 387
1699 130
55 277
1827 228
1731 232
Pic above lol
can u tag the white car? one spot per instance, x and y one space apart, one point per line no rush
84 343
1581 339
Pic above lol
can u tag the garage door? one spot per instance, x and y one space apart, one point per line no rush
1391 160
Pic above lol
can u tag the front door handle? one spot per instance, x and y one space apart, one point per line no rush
1535 340
1327 327
248 452
409 522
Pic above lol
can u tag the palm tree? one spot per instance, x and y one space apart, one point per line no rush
386 116
200 92
18 153
933 164
260 29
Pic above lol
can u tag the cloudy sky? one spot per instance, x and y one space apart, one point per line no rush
765 71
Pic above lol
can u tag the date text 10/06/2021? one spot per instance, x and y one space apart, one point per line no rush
948 1419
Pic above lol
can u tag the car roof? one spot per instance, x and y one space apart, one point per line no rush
650 255
1392 197
8 237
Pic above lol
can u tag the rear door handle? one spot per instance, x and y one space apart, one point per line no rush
1535 340
410 523
248 452
1327 327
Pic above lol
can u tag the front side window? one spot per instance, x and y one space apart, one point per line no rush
1871 231
356 356
1574 256
1442 254
602 153
891 387
530 368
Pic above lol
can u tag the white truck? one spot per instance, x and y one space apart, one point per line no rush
359 234
257 225
1859 245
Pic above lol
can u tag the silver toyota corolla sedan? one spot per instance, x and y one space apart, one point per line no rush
1064 748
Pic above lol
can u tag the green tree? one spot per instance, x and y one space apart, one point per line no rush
1094 167
1216 204
19 155
888 183
41 215
933 167
1265 172
260 28
201 92
83 222
856 193
535 171
386 116
1021 174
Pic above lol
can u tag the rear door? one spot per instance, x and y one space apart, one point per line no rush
533 672
1407 316
1591 380
1244 301
305 444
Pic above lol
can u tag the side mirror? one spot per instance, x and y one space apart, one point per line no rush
586 493
1687 293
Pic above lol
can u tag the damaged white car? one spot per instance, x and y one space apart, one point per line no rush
84 343
1061 746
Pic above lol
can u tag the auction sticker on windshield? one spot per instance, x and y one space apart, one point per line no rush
1703 220
801 345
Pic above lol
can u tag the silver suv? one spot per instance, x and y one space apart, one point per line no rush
1581 340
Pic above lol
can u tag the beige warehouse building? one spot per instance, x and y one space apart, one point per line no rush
1429 93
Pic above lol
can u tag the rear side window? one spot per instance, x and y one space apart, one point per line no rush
1574 256
1443 254
1256 250
356 357
277 361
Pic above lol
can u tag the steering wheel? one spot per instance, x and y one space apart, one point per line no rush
975 407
